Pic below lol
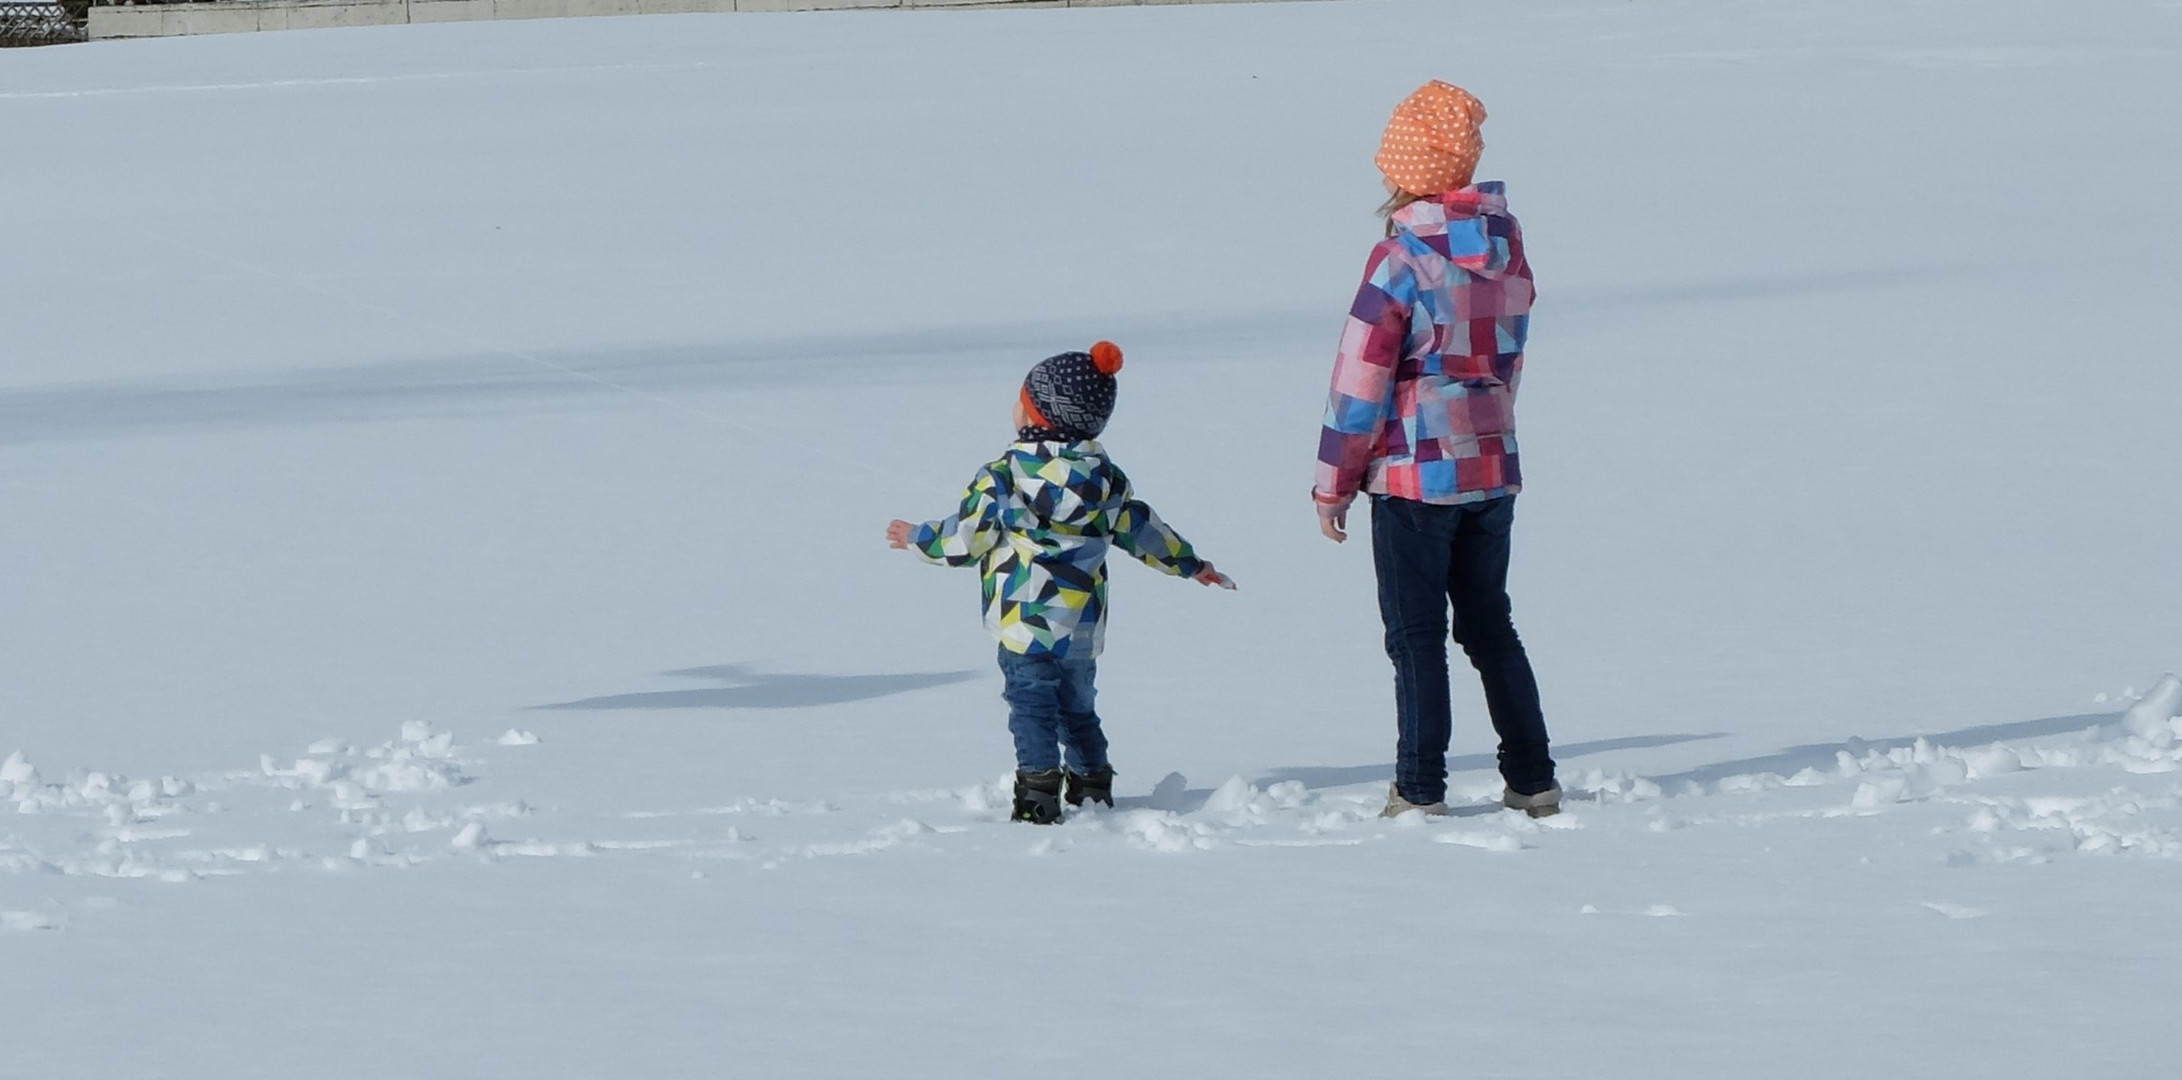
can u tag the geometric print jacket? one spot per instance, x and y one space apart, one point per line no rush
1423 399
1038 523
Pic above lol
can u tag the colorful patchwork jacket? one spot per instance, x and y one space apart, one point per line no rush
1038 522
1423 398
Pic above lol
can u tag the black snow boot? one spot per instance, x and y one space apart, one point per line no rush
1096 786
1038 796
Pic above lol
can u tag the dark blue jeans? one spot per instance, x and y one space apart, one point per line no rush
1050 711
1430 559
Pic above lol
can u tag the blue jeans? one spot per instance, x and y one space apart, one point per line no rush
1429 559
1050 712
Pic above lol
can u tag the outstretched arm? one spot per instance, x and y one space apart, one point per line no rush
1139 531
961 538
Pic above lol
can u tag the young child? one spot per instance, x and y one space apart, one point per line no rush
1038 522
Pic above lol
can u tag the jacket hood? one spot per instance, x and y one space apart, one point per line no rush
1049 478
1459 225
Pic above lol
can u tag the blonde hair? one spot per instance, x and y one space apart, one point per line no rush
1394 204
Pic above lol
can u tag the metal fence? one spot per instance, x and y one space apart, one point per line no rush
42 23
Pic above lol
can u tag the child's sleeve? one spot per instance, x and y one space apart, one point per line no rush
1138 531
964 537
1362 395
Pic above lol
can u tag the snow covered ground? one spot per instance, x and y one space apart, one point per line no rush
445 630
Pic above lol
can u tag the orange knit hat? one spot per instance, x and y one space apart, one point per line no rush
1431 144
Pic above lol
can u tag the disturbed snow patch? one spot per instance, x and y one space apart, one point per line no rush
2132 809
341 807
337 805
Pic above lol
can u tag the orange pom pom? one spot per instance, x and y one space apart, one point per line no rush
1106 356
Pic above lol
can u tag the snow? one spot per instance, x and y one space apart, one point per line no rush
2153 717
445 630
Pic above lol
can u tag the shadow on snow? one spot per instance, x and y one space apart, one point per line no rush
753 690
1786 762
1795 759
1323 776
516 382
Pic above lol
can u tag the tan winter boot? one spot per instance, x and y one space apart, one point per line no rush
1543 804
1396 806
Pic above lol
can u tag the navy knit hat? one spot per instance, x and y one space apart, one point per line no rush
1070 396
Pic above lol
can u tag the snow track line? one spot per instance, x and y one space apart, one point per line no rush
356 80
770 437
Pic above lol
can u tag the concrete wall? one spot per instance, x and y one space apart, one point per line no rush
238 16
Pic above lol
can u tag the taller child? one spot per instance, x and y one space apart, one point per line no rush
1037 523
1421 417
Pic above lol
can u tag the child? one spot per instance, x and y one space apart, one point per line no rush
1037 522
1421 418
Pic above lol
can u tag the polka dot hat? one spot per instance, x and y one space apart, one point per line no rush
1072 395
1432 143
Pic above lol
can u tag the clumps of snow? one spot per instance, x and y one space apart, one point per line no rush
1872 794
2145 741
1923 770
387 805
1242 803
2156 717
1162 830
2114 823
1996 759
117 799
1607 787
1237 810
2010 828
420 761
18 771
988 797
1231 797
514 737
1285 813
418 819
1751 782
100 818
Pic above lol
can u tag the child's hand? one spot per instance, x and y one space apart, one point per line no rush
1333 520
898 533
1209 576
